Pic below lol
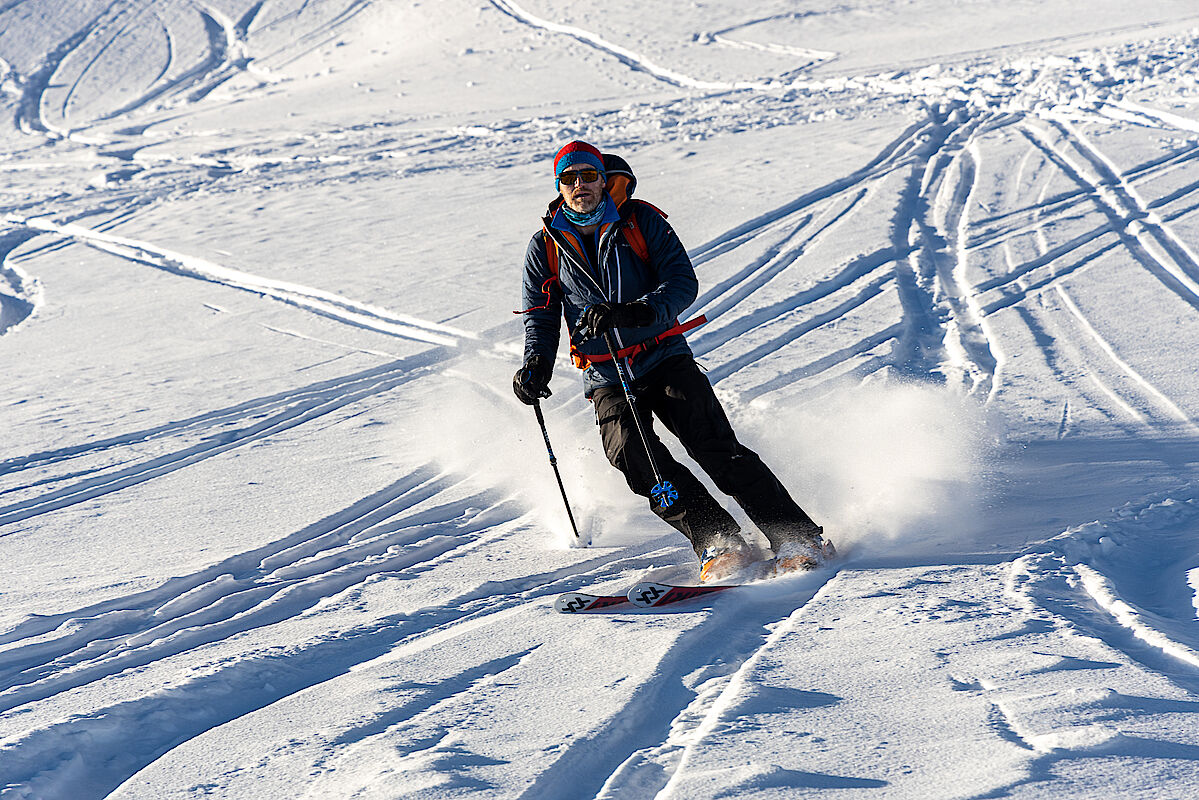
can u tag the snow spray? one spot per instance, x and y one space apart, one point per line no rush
485 434
889 460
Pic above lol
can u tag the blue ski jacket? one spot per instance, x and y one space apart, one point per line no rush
667 283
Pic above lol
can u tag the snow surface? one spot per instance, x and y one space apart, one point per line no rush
273 525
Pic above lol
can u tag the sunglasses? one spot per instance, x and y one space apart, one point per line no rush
584 175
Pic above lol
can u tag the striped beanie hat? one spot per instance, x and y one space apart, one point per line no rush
577 153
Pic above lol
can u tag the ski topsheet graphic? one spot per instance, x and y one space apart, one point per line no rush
644 595
651 594
576 602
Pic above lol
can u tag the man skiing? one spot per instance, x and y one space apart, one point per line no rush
613 266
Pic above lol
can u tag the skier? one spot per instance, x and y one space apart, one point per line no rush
584 266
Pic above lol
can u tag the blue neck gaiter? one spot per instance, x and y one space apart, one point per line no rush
583 220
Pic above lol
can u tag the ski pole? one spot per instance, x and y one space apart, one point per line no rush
664 492
554 463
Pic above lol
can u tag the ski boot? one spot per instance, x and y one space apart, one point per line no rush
804 553
723 558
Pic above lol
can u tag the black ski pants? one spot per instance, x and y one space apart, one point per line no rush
681 397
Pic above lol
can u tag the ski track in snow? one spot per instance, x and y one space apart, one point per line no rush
19 294
1090 577
1144 234
238 594
384 534
645 745
1172 413
1148 405
195 439
944 328
714 705
633 60
1099 578
924 264
793 219
327 304
56 95
400 530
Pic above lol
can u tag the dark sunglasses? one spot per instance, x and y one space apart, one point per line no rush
584 175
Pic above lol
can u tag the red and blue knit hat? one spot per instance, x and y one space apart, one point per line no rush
577 153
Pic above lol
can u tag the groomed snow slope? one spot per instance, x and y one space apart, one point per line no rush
273 525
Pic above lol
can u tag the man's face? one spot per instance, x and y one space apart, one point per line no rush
583 198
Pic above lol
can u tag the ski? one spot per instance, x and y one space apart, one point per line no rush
651 595
578 602
643 595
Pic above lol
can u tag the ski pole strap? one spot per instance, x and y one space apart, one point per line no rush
633 350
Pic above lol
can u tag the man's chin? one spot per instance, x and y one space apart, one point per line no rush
584 208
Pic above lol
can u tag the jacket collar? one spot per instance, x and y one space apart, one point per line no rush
561 223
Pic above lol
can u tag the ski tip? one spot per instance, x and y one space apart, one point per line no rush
570 603
578 602
646 594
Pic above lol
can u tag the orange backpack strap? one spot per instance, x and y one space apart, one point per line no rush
547 288
551 255
551 261
636 239
633 234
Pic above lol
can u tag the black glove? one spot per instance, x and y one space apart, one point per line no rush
532 381
599 317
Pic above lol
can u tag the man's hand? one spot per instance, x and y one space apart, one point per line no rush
599 317
532 381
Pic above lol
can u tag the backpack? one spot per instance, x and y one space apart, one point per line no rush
620 184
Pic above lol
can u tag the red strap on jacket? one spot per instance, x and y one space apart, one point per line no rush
634 350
